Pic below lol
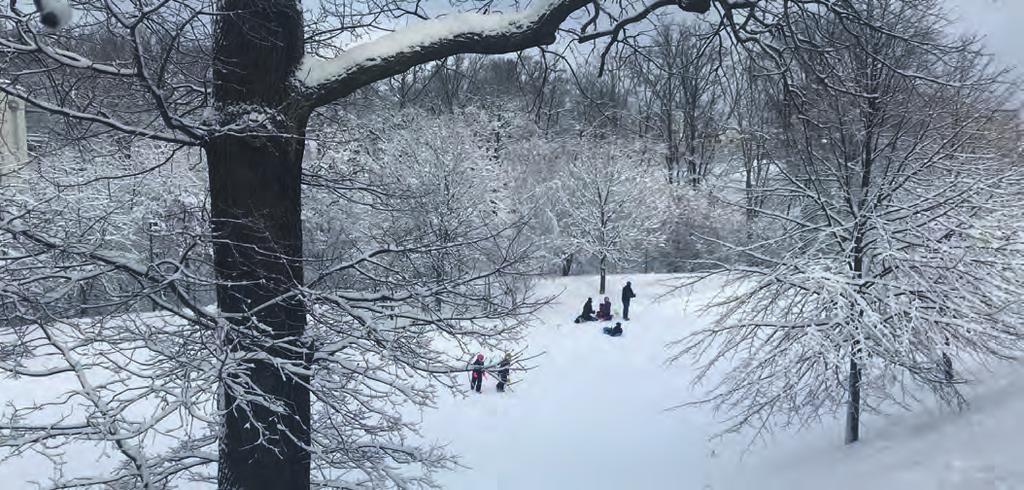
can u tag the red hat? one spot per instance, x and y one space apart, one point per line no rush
479 357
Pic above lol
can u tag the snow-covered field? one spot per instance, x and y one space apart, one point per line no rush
592 415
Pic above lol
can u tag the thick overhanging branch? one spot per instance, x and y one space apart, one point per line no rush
324 81
329 80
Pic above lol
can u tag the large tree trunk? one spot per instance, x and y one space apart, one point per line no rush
255 195
257 253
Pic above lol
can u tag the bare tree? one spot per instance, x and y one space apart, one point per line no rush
886 262
756 109
611 205
392 310
679 75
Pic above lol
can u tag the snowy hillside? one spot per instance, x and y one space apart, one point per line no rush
592 416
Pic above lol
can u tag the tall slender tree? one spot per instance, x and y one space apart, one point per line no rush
887 264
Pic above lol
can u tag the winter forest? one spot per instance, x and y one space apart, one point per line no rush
258 244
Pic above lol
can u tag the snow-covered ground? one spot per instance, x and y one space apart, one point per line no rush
592 415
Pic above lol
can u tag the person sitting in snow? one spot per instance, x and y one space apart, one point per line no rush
476 377
604 312
613 331
588 312
503 368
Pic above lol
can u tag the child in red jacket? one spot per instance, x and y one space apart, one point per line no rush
476 376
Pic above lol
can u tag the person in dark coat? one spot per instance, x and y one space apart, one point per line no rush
503 368
627 295
613 331
588 312
604 312
476 376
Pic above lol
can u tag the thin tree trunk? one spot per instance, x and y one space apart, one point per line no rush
604 273
947 368
567 265
853 406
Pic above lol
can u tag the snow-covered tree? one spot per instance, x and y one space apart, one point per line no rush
251 84
891 261
611 204
391 295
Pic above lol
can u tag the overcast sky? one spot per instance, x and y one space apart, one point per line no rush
1000 21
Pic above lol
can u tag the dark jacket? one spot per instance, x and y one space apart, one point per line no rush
588 309
503 370
627 293
478 368
613 331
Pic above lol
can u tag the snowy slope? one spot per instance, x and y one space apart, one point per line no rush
592 416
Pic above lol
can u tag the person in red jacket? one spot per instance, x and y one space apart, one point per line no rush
476 376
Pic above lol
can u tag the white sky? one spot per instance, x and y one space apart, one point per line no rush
1001 22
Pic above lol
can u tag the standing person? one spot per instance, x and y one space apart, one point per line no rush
627 295
476 377
503 368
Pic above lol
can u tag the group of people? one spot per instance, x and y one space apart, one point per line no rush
604 311
477 373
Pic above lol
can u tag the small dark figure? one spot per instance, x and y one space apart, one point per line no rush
476 377
613 331
627 295
947 367
947 364
503 368
588 312
604 312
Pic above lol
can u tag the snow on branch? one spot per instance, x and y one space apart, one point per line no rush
432 40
